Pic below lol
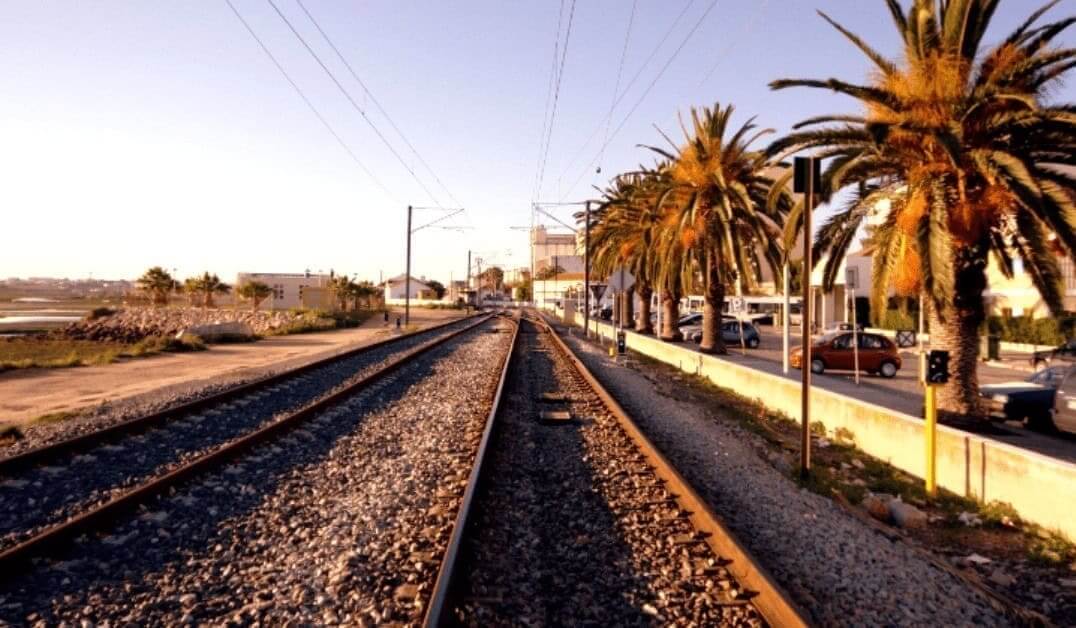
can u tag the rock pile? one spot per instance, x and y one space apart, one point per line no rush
137 323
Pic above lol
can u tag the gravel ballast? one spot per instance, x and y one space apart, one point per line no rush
52 493
833 565
341 521
572 526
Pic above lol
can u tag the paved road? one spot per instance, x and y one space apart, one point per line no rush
902 393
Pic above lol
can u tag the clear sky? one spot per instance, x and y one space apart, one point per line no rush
158 133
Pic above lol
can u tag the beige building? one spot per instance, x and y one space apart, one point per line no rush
289 289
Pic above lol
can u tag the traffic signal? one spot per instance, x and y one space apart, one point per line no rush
938 367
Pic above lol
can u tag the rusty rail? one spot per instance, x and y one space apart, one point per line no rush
438 612
772 602
98 516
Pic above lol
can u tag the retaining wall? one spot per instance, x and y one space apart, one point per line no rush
1040 488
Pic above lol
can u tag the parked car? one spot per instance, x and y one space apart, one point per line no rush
839 326
730 333
877 354
1064 414
692 318
1043 359
1031 401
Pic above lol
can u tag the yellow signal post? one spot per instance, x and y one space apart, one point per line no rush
931 440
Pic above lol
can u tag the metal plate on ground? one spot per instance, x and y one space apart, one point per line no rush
554 417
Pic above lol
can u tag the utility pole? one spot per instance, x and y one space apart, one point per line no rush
586 271
407 276
805 172
786 317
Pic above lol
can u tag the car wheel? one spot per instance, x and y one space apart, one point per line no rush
888 370
752 342
1041 422
817 366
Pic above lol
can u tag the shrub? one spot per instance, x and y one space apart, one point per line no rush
1024 329
99 312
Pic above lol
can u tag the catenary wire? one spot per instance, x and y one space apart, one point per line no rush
643 95
556 98
377 104
354 104
653 53
313 109
548 99
619 73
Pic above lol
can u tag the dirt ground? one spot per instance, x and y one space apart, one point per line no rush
30 393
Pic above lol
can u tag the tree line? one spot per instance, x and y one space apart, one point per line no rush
160 285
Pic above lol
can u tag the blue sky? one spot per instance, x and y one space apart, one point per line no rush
138 133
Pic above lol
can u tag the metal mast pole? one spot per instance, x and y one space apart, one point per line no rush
586 272
805 334
407 277
786 318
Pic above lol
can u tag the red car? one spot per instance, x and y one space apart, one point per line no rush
877 354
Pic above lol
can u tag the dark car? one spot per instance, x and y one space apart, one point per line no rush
877 354
1042 359
730 333
1030 401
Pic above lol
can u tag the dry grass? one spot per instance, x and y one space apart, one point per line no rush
31 352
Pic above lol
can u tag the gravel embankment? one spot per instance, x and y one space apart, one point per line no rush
572 528
50 494
340 522
841 571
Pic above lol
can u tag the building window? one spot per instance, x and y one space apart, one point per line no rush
278 291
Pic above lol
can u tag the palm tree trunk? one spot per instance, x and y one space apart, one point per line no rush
642 324
713 303
628 309
671 313
959 335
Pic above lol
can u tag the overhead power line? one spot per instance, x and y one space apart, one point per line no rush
309 104
548 99
642 97
619 72
377 104
653 53
354 104
556 98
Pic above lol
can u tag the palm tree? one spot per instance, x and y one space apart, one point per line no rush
158 283
723 212
255 292
971 155
205 286
622 236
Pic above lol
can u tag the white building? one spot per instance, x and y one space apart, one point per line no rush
397 290
287 288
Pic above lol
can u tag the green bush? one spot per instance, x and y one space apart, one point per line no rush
1024 329
895 319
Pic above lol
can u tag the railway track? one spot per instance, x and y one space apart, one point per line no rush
55 491
445 487
575 518
338 520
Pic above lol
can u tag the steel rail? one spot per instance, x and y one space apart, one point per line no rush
438 611
98 516
48 451
772 602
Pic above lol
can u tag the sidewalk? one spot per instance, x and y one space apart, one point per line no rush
26 394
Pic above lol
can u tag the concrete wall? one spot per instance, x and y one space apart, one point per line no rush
1040 488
